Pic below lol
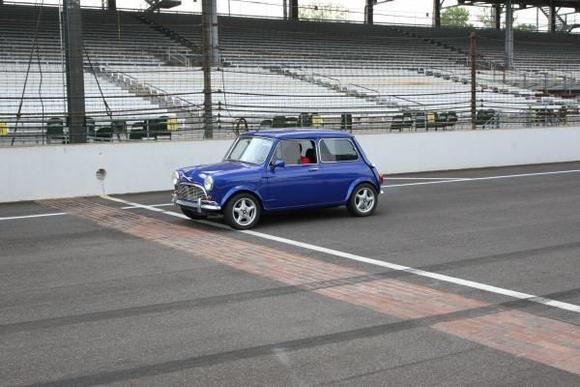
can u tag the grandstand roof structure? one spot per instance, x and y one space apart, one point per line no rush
527 3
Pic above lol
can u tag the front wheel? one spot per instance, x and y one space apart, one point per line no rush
242 211
363 200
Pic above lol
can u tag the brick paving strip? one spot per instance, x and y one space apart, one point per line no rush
540 339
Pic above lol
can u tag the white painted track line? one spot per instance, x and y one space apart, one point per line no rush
393 266
152 205
426 178
468 179
21 217
436 180
32 216
422 183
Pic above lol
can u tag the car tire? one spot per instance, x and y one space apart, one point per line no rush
363 200
242 211
192 214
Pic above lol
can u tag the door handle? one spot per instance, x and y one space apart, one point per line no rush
313 169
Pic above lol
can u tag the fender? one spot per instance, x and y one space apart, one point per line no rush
240 188
360 181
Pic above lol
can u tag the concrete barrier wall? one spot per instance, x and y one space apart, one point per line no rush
435 151
31 173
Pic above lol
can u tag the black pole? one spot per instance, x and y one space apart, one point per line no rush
497 15
294 10
72 27
436 13
552 18
473 60
210 59
112 5
369 12
509 35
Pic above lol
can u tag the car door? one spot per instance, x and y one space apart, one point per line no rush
297 184
340 165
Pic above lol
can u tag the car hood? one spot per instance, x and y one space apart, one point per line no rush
197 173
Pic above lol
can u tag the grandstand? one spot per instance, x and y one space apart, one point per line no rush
140 66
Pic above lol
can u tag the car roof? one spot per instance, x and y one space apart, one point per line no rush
290 133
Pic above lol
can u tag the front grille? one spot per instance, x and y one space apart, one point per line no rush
190 192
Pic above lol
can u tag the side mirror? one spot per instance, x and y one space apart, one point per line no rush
278 164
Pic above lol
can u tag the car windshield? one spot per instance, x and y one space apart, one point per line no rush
253 150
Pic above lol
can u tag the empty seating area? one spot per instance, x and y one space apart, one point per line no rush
140 66
533 51
542 60
28 108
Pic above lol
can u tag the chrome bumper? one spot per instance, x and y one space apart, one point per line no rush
199 205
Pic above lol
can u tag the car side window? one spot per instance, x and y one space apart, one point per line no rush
337 149
295 152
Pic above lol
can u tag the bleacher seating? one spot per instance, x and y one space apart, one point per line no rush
140 66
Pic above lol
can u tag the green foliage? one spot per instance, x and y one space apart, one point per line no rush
525 28
320 11
455 17
487 18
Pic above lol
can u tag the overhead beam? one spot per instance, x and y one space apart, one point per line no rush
527 3
75 83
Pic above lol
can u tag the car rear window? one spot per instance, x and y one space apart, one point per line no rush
337 149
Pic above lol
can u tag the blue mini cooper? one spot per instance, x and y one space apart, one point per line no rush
279 170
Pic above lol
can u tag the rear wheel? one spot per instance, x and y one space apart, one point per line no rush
363 200
242 211
192 214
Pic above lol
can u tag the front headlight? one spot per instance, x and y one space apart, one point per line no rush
208 183
175 178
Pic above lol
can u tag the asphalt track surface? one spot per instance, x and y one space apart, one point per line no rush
98 294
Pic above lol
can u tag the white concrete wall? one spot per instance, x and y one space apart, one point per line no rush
31 173
57 171
436 151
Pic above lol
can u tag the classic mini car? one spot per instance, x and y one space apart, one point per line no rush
279 170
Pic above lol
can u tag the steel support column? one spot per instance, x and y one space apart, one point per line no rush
369 12
509 35
285 9
473 64
436 13
75 85
552 21
211 58
294 10
497 16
